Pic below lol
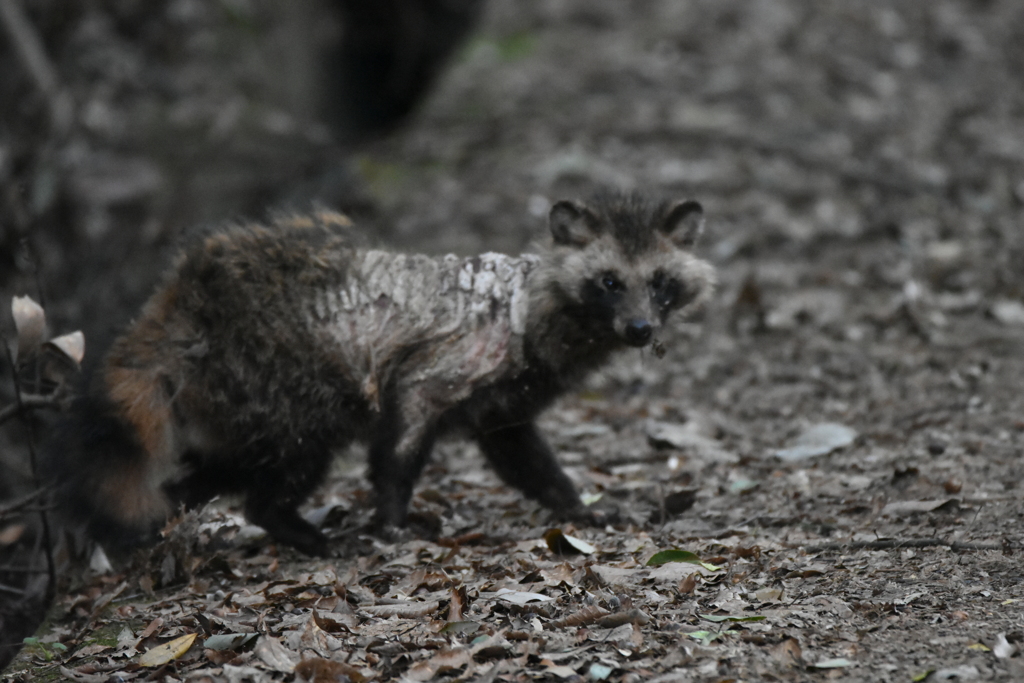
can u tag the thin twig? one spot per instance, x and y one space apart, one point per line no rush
24 570
51 584
22 502
29 402
29 48
38 508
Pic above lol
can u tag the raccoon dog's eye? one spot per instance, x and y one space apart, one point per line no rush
612 283
664 289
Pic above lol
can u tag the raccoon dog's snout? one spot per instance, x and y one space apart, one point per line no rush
638 332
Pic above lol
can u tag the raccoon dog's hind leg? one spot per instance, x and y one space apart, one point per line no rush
274 481
273 495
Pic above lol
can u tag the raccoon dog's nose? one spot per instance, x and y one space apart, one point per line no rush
638 332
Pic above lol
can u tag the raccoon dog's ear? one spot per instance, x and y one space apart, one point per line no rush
572 224
684 223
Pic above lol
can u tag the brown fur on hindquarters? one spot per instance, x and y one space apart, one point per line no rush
269 346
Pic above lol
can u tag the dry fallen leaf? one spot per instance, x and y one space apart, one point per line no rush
1009 312
521 597
443 662
909 507
559 670
690 437
229 641
838 663
320 670
819 439
587 615
330 622
154 627
787 652
82 677
171 650
406 610
1003 649
633 616
314 638
564 544
275 655
456 604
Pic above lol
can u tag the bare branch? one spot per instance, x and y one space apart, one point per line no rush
22 502
51 585
29 48
28 402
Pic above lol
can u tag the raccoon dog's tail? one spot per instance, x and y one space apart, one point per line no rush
103 476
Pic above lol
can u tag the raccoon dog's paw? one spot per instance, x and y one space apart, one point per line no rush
289 528
416 525
390 533
596 515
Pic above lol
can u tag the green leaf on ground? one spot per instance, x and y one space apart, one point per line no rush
675 555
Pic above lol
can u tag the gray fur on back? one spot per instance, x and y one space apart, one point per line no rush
463 318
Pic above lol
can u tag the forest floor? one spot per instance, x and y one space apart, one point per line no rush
838 438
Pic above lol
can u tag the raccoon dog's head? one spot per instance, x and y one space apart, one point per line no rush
626 265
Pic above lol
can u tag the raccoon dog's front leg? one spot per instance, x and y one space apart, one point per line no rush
521 457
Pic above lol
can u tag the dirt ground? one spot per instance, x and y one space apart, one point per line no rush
838 438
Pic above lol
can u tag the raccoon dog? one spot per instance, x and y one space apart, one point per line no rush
269 346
